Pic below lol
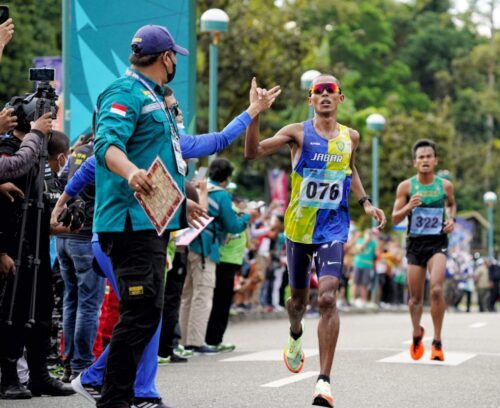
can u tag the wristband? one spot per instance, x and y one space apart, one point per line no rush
363 200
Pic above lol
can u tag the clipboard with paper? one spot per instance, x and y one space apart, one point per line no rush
186 236
163 203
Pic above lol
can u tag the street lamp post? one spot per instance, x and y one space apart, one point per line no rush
490 199
213 21
305 83
376 123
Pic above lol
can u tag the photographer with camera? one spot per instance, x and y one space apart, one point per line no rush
27 304
83 287
19 163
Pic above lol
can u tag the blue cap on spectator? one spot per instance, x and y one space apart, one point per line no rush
154 39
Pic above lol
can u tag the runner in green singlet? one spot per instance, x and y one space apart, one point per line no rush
428 202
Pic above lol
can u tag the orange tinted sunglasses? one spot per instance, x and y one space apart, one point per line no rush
330 87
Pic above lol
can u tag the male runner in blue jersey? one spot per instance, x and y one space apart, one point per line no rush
317 218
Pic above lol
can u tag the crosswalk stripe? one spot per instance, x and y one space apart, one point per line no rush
478 325
292 379
268 355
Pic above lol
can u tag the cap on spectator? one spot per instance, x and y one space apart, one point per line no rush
154 39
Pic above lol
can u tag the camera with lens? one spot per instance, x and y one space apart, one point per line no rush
29 107
73 216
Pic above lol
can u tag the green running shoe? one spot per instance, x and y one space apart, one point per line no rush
293 355
225 347
163 360
181 351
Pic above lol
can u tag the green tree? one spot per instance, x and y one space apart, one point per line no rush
431 48
37 33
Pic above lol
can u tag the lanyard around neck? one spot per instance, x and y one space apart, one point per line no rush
167 113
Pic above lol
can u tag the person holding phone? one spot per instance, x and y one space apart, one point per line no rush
6 29
317 218
429 203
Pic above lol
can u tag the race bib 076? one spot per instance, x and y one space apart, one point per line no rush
322 188
426 221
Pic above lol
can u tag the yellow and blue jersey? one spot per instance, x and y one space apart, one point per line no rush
318 211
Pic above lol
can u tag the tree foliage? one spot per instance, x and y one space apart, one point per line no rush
37 33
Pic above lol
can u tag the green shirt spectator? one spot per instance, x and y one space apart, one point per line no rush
366 257
233 250
226 221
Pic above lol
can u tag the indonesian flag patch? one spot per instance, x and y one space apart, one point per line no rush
118 109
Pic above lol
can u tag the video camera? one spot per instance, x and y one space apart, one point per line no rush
45 92
29 107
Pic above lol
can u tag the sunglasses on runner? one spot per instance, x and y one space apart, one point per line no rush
330 87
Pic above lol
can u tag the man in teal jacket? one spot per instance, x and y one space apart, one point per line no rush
198 291
132 128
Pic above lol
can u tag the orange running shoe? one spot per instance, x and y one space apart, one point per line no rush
417 346
437 351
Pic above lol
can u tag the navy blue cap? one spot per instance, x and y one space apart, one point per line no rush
153 39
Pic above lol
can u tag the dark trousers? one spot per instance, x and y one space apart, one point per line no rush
494 293
223 297
173 291
36 339
138 260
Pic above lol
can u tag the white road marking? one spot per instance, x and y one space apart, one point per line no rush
368 349
292 379
451 359
268 355
426 338
478 325
489 354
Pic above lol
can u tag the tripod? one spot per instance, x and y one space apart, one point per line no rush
42 106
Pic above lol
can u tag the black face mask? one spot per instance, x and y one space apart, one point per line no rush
170 77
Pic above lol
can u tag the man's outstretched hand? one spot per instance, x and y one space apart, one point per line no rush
260 98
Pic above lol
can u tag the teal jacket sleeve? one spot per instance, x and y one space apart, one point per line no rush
229 219
116 118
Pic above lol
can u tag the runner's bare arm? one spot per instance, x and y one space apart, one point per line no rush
451 207
357 187
255 149
401 207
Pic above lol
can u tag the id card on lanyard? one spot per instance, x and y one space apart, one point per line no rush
181 164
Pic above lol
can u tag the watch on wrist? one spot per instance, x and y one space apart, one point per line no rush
363 200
